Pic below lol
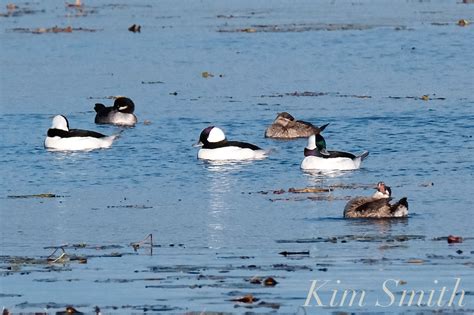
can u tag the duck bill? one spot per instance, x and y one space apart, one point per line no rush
198 144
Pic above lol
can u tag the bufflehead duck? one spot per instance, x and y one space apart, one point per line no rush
216 147
286 127
119 114
318 158
378 206
61 138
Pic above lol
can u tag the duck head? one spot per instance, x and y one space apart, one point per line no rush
60 122
284 119
210 135
316 145
383 191
124 105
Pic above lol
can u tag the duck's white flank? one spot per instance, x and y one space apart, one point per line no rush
339 163
78 143
231 153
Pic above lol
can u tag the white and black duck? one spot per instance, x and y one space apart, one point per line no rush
318 158
61 138
215 146
121 113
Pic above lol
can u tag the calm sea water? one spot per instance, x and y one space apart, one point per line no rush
218 225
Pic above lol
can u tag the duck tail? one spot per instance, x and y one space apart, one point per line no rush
117 134
323 127
363 155
99 107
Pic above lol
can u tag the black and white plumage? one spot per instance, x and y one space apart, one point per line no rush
378 206
61 138
285 126
215 146
318 158
119 114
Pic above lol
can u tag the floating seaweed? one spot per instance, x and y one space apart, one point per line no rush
148 240
54 29
425 97
454 239
76 4
356 238
249 298
270 282
308 190
14 10
297 28
45 195
316 94
62 258
274 306
153 82
131 206
286 253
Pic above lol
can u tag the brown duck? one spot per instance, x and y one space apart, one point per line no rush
286 127
378 206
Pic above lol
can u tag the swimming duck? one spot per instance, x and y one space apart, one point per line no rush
286 127
318 158
61 138
216 147
378 206
119 114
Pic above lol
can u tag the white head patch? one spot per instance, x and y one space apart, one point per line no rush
60 122
216 135
311 142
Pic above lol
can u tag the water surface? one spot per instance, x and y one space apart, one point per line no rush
367 64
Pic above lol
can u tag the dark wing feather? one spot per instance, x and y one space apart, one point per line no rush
225 143
74 133
306 123
53 132
339 154
313 127
372 206
85 133
101 109
244 145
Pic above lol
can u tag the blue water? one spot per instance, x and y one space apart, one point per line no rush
151 182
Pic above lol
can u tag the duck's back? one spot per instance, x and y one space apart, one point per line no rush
109 115
297 130
367 207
